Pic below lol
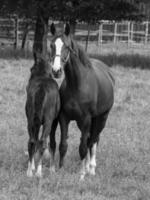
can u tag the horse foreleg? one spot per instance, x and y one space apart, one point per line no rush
64 122
93 159
98 124
83 148
84 155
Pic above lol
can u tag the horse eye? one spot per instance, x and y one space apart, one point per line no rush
52 46
52 50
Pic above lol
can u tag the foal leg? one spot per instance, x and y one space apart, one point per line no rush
52 145
42 146
33 138
31 164
64 123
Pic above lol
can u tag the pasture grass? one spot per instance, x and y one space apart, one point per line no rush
123 170
126 60
112 57
11 53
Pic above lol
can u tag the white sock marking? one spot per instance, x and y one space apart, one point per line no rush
33 164
93 160
29 170
39 169
88 161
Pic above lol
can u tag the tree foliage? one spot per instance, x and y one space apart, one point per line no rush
89 11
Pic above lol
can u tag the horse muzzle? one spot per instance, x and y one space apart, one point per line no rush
57 74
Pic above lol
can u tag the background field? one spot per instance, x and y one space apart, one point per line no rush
123 170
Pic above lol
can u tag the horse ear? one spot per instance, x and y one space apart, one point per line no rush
67 29
53 29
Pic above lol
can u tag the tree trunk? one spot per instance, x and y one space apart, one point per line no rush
87 38
25 33
40 37
72 26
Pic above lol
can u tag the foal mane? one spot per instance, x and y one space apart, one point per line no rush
40 68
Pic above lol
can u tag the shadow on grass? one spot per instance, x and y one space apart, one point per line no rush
126 60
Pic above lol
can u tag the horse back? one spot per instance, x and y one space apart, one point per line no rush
102 69
42 99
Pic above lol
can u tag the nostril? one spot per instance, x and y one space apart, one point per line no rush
60 70
57 73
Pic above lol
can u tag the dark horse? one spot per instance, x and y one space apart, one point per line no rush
42 108
87 96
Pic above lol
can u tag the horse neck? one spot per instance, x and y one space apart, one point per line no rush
75 71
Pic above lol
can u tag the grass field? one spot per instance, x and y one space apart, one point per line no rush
123 157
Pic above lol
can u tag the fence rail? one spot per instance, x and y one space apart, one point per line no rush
12 31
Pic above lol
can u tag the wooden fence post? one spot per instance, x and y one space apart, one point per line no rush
128 32
132 31
87 37
115 32
16 32
100 34
146 32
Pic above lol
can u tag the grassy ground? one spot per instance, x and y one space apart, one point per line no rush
123 170
111 54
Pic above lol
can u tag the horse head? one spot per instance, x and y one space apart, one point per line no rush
60 49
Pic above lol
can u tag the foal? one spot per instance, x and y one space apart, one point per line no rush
42 108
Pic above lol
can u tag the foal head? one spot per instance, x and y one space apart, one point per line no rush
60 48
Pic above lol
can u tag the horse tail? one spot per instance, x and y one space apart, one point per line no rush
38 105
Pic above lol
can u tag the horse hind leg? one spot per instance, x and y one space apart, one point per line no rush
98 125
33 138
42 146
31 164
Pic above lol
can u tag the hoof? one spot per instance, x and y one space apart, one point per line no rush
82 177
39 175
52 169
88 168
46 154
26 153
29 173
92 170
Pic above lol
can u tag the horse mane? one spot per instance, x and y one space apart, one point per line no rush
82 55
41 68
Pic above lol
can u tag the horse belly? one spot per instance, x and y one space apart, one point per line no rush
72 109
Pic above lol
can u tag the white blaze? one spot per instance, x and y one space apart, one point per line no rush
57 61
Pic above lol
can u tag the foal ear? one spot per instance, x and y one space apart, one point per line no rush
67 29
53 29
